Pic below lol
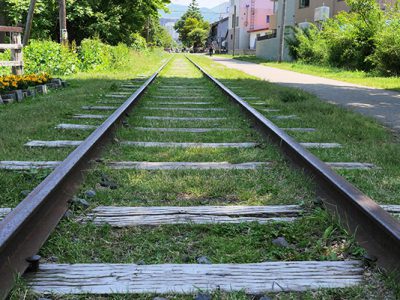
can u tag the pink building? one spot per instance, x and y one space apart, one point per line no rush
253 18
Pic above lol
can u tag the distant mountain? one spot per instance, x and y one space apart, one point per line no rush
209 14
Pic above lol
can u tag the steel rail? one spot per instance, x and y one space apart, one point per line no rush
374 229
27 227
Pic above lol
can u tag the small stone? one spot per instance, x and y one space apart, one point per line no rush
80 202
31 93
68 214
25 193
203 297
41 89
203 260
57 82
19 95
52 259
280 242
90 193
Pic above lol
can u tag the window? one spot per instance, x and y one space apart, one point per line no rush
304 3
268 19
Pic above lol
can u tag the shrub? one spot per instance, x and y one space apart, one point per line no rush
5 56
120 56
137 42
308 45
94 55
387 53
50 57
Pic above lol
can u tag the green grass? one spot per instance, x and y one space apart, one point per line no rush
356 77
314 236
36 118
363 138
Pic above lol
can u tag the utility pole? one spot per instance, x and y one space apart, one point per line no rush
148 30
28 25
234 30
282 33
63 23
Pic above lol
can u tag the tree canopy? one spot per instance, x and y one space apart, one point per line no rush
192 28
113 21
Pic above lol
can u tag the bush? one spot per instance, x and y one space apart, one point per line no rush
94 55
120 56
50 57
5 56
387 54
137 42
308 45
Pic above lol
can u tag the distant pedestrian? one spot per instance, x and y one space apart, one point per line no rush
211 50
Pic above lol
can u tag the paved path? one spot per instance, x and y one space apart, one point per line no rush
381 104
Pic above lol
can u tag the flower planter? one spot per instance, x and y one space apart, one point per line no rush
19 95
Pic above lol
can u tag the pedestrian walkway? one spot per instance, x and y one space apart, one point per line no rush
381 104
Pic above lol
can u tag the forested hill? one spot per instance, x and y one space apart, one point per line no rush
210 14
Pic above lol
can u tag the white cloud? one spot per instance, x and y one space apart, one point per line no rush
202 3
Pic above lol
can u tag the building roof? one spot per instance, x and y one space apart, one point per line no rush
259 29
219 21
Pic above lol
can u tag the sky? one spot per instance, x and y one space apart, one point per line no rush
202 3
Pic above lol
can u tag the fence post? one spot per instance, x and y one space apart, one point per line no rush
16 54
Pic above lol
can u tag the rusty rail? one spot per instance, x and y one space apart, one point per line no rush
27 227
375 229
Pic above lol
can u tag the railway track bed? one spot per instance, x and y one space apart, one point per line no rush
186 196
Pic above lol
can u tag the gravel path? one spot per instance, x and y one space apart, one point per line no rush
381 104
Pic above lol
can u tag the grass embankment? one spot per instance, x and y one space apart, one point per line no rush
36 118
313 237
356 77
363 139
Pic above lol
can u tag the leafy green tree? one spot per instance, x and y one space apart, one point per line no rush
113 21
192 28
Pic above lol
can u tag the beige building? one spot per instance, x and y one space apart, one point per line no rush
314 11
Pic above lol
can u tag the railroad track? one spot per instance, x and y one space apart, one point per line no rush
180 133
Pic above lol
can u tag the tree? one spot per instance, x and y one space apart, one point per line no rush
192 28
113 21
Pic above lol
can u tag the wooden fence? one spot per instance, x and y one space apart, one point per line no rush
15 46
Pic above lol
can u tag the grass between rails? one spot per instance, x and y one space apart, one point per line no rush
315 236
35 119
363 139
356 77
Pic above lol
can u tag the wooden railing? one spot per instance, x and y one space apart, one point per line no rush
15 46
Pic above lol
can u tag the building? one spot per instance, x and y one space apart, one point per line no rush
314 11
247 19
299 13
268 46
219 34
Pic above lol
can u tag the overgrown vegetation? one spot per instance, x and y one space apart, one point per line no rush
365 38
114 21
192 29
55 59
